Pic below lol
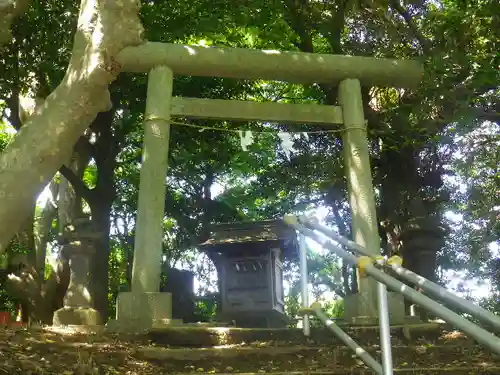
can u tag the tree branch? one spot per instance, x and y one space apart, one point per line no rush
9 11
339 292
84 145
80 188
488 116
13 105
15 120
299 26
424 43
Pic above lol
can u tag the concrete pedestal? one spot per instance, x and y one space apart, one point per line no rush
358 309
141 311
81 316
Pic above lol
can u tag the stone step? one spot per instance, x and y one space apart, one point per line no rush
305 359
199 336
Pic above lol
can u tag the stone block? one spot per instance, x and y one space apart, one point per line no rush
358 309
142 311
79 316
181 284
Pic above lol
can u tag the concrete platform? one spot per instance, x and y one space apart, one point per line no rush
202 336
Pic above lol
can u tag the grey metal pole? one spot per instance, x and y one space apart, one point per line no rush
432 288
480 335
385 329
304 279
348 341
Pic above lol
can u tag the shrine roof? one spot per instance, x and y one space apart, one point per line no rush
250 232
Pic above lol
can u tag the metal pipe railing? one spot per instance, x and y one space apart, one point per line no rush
304 278
428 286
385 329
345 338
385 335
479 334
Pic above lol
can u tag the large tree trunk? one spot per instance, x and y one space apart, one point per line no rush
26 282
38 298
39 149
100 200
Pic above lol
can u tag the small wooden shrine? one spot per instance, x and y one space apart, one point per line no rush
249 260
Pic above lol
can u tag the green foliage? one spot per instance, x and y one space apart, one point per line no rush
205 309
90 175
6 302
5 137
117 273
334 309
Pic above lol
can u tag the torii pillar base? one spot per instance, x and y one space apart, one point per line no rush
138 312
358 309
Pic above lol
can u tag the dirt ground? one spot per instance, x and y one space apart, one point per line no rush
66 352
44 352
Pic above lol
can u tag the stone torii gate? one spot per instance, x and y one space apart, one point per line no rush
145 305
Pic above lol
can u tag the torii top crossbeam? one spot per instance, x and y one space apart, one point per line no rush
296 67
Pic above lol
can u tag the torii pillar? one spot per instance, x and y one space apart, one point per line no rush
361 308
145 306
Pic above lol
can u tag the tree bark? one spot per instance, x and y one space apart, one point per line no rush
26 282
100 200
38 150
38 301
38 298
25 239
